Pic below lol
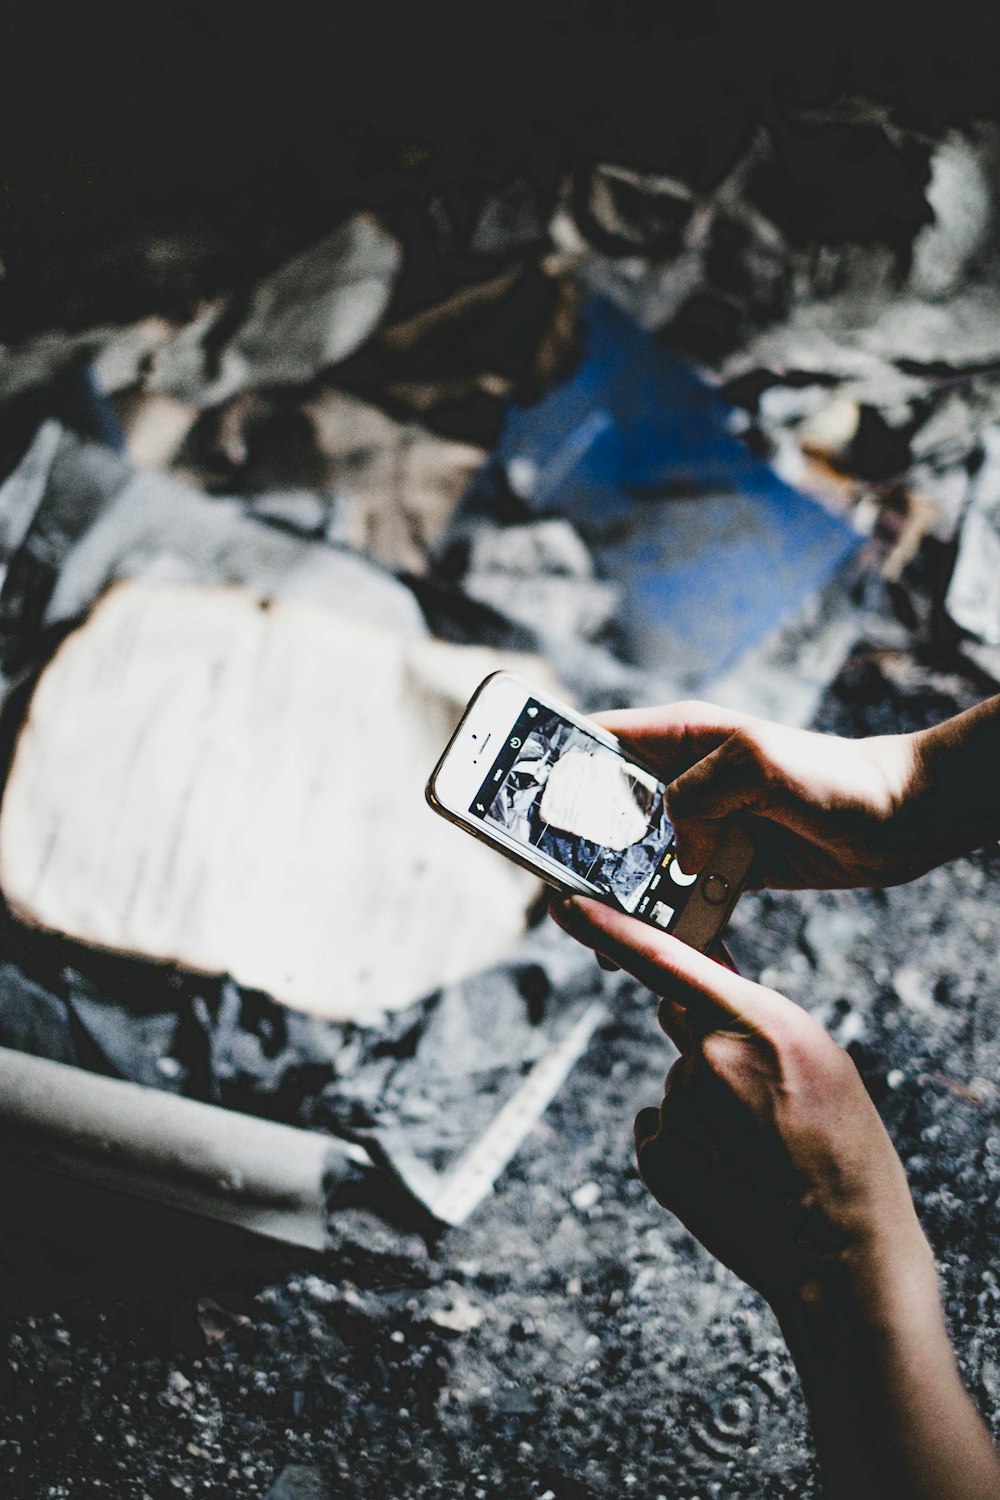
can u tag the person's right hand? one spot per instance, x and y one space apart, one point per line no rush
766 1144
824 811
768 1148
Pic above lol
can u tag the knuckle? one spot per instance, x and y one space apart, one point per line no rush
692 708
743 743
746 754
718 1053
803 1050
789 1034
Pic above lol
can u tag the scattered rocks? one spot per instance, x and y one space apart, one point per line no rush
586 1196
458 1313
299 1482
915 988
830 933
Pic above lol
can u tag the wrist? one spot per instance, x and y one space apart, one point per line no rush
885 1282
953 804
902 772
911 814
888 1409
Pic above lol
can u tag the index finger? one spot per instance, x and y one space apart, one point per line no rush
714 997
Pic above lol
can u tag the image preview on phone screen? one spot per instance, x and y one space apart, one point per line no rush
557 789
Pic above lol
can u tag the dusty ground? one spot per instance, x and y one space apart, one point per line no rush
572 1341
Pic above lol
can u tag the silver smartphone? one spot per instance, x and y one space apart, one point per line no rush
560 796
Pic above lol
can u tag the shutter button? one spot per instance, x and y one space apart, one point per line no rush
715 890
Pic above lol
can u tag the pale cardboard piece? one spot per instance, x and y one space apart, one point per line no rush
236 786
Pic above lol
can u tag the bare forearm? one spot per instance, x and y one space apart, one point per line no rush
890 1416
954 804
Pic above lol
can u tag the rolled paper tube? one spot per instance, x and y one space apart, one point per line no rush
269 1178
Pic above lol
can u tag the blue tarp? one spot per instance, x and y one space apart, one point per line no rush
712 548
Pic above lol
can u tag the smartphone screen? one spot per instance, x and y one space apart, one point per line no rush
559 790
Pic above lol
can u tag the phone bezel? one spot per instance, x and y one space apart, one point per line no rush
493 710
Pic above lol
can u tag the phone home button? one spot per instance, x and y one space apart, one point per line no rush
715 890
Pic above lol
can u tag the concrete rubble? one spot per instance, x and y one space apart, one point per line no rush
568 1305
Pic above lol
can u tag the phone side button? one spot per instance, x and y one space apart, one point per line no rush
715 890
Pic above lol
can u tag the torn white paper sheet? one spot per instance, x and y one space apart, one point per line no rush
238 787
595 796
973 598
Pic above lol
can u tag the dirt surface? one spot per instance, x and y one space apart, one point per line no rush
573 1340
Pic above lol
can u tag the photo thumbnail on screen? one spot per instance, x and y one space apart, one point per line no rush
559 790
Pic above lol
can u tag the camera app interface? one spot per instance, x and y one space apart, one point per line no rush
557 789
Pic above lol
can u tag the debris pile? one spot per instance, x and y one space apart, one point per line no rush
711 408
80 519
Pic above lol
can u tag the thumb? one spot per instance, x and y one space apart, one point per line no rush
728 780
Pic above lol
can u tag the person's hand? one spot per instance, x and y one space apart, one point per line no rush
766 1144
824 811
767 1147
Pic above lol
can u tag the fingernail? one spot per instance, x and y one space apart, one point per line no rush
563 910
